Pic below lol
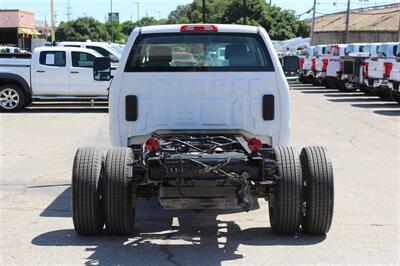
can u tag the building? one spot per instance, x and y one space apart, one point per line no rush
17 28
375 24
43 28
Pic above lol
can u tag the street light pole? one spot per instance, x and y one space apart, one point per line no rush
137 6
313 23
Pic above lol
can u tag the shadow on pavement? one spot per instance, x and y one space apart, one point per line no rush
356 99
168 237
66 106
378 105
388 112
61 206
65 110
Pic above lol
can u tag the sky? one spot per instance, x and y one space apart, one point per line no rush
160 8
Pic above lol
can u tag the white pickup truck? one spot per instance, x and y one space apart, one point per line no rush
50 72
394 79
379 69
309 63
202 136
328 65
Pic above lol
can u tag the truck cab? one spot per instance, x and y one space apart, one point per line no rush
394 78
111 50
60 72
200 136
351 73
331 65
379 67
309 63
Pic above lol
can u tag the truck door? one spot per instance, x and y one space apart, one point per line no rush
50 76
81 76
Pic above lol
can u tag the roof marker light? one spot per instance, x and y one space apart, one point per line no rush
198 28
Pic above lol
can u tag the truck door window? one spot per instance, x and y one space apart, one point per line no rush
52 58
199 52
81 59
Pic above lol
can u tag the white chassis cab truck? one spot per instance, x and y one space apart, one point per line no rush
61 72
200 136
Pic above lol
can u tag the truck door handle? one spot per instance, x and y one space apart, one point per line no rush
40 71
74 72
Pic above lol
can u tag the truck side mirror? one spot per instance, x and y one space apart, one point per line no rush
102 69
291 65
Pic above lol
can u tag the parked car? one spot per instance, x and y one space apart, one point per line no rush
394 79
51 71
379 68
203 137
351 74
111 50
183 59
328 65
12 50
309 62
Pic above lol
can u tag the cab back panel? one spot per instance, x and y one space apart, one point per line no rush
201 101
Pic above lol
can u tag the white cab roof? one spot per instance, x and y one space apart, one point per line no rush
62 48
177 28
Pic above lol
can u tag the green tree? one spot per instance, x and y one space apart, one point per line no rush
114 30
82 29
280 23
127 27
147 21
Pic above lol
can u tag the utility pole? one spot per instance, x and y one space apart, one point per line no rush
53 24
69 13
313 23
204 11
346 37
137 6
159 14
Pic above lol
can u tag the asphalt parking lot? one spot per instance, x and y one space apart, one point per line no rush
361 133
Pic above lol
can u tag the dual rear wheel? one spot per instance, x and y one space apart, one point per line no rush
101 191
303 195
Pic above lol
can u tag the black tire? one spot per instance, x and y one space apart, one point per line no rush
329 83
395 93
367 90
310 79
346 86
28 100
336 84
384 95
318 191
285 205
16 101
118 207
87 211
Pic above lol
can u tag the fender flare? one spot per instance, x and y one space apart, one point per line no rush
24 85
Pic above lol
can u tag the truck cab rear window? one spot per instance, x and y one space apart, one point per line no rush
199 52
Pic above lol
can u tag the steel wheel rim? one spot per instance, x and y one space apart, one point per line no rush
9 98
